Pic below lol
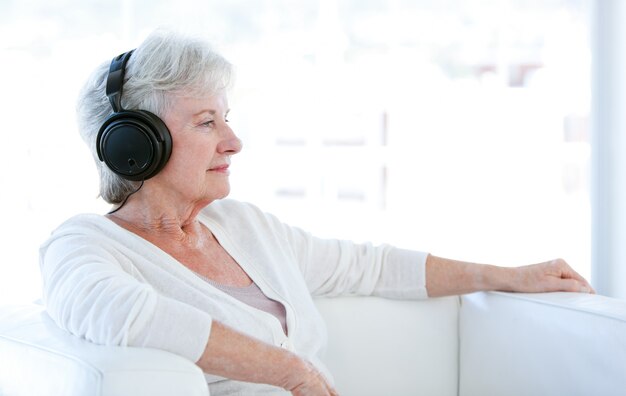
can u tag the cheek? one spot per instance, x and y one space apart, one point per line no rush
192 151
188 163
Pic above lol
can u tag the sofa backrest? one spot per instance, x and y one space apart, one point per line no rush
391 347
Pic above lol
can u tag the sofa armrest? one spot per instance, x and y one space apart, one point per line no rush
38 358
542 344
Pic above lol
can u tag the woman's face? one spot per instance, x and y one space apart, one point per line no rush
202 143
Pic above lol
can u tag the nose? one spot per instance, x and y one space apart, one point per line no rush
230 144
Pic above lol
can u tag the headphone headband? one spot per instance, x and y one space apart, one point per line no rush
115 80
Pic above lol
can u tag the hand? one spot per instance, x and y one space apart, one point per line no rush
307 380
549 276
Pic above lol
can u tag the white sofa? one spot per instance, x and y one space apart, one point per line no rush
476 345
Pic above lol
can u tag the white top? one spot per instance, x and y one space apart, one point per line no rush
112 287
253 296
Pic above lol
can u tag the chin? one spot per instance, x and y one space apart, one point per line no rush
214 194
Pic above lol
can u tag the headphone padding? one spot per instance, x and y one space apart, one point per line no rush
135 145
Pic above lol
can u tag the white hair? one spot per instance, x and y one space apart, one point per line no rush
164 65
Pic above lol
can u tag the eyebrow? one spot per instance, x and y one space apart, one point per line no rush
211 112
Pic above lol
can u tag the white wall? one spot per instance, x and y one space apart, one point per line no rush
466 165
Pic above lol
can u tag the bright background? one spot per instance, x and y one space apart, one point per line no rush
456 127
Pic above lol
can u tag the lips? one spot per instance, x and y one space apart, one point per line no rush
220 168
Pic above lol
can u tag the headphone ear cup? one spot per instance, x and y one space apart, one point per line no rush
135 145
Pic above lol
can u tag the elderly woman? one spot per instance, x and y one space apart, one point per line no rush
176 266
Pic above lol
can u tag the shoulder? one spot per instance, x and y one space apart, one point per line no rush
84 223
84 227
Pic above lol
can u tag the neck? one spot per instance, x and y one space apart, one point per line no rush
164 218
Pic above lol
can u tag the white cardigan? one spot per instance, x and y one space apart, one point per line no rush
111 287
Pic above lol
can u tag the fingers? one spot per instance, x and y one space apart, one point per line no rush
311 389
313 383
579 284
568 272
570 285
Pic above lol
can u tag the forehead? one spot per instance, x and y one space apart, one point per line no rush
199 104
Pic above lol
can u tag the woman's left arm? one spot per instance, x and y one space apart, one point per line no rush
452 277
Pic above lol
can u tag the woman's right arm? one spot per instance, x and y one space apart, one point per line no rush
88 293
234 355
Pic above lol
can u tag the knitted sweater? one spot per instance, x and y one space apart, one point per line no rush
112 287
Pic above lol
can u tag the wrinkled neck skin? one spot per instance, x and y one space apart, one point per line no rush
170 217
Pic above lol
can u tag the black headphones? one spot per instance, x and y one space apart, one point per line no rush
134 144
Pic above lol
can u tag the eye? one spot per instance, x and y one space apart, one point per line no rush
207 123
